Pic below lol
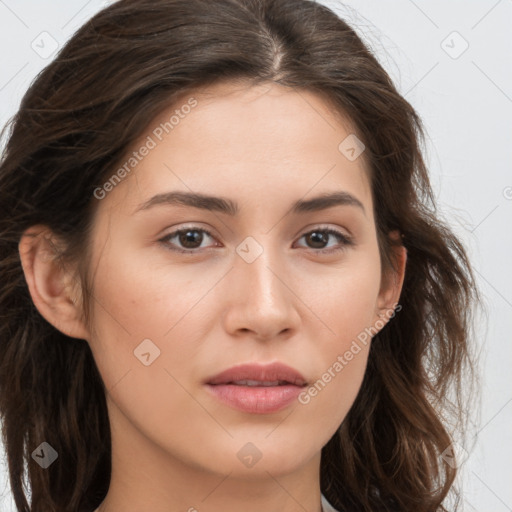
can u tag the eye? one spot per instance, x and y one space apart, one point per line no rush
319 238
190 238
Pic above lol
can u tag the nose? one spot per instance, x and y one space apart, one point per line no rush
260 299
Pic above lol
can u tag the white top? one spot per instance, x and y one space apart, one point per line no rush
326 506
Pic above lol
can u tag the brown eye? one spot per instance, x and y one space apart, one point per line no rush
186 240
319 238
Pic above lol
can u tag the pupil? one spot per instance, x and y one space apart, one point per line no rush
190 236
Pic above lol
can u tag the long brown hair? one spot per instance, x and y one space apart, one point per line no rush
80 116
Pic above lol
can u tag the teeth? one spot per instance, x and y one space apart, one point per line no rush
257 383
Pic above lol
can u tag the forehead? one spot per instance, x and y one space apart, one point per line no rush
247 141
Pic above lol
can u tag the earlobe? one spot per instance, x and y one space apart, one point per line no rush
52 285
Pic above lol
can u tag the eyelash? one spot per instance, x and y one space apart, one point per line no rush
345 239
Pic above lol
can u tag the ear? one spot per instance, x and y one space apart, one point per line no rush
391 284
54 289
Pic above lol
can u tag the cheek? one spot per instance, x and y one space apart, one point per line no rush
138 300
144 310
346 299
346 304
336 385
165 311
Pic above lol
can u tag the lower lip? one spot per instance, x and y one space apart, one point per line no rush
255 399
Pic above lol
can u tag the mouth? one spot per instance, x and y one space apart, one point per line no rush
259 383
257 389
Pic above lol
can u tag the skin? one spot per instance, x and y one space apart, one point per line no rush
174 446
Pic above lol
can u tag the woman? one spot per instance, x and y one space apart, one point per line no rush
225 286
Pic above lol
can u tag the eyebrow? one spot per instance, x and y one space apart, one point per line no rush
229 207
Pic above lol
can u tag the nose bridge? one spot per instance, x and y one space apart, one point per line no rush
260 266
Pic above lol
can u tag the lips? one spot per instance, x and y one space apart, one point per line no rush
275 374
257 389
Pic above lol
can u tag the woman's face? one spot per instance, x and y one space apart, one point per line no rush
268 284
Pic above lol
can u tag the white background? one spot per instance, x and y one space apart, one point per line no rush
465 100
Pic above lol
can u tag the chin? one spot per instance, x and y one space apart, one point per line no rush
260 456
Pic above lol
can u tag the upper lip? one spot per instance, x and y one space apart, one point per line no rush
259 372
